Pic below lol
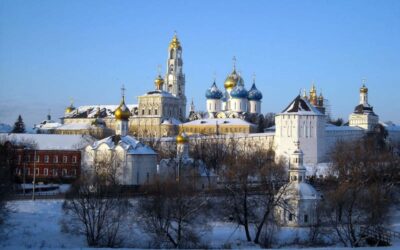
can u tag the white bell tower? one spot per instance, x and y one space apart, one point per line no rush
175 79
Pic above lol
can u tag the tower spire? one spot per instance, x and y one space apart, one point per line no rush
234 63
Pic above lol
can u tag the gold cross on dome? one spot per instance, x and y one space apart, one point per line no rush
364 80
123 90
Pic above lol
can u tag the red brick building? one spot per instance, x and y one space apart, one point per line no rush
47 158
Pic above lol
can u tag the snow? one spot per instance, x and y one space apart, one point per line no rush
300 190
49 141
92 110
36 225
219 121
5 128
171 121
74 126
330 127
129 143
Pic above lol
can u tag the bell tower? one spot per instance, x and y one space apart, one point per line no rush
175 79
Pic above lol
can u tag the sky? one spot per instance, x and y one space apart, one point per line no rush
52 51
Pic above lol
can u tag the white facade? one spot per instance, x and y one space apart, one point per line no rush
297 200
134 162
363 115
302 122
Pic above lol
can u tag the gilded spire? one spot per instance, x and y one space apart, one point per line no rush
175 43
122 112
364 89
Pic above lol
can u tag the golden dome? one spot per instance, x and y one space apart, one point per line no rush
70 108
364 89
122 112
175 44
232 80
182 138
159 82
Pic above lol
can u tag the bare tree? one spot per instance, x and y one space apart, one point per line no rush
173 214
361 194
96 207
251 178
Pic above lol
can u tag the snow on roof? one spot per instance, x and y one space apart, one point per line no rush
74 126
301 106
49 141
171 121
5 128
94 111
330 127
390 126
47 124
129 143
219 122
300 190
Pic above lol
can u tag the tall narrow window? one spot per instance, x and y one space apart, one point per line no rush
55 159
305 218
46 159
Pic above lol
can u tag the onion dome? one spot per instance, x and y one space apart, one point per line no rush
122 112
239 92
254 93
182 138
69 109
175 44
364 89
159 82
214 92
233 80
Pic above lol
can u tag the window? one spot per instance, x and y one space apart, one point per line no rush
142 111
55 159
73 159
46 159
27 158
64 172
65 159
19 159
149 112
55 173
305 218
147 177
74 172
290 217
155 112
46 172
36 171
37 159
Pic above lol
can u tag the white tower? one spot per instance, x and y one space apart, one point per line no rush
363 115
175 79
302 122
122 115
299 199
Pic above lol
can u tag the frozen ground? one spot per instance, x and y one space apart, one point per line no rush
36 225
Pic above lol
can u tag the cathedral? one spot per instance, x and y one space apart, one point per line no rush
158 113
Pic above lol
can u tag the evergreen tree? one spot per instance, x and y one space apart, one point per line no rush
19 126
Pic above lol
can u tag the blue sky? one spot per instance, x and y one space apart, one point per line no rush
51 51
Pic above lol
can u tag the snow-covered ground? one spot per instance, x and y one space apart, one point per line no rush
36 225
